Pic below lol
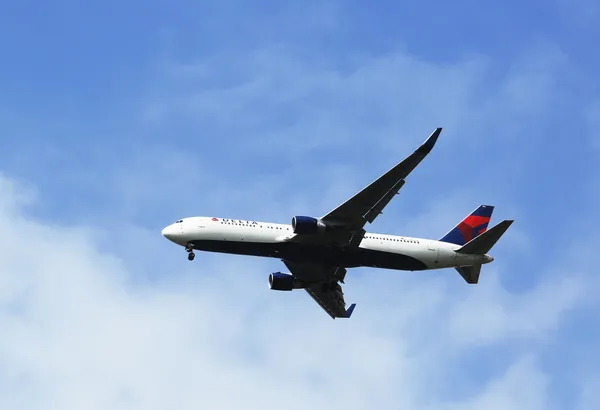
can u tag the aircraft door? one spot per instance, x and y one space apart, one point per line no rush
433 250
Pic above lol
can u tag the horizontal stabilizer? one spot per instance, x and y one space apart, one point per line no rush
470 273
484 242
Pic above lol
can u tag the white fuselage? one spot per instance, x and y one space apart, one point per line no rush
272 240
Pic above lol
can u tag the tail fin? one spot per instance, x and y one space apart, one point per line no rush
472 226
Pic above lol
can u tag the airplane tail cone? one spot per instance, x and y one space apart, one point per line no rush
481 245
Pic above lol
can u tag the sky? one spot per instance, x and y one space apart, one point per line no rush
119 118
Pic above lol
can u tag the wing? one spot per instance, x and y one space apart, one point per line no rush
323 286
366 205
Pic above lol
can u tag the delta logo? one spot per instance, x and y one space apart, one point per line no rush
214 219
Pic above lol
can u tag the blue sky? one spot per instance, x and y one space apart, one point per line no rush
120 118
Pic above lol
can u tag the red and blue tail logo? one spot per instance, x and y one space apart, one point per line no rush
472 226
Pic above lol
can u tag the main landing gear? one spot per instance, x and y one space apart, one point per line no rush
190 250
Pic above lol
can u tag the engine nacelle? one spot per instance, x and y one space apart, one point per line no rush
307 224
284 281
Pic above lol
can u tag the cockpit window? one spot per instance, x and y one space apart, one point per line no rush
180 221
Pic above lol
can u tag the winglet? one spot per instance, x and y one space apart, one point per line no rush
350 310
427 146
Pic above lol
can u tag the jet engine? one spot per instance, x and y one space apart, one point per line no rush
284 281
307 224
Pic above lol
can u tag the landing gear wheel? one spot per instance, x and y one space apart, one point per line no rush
190 250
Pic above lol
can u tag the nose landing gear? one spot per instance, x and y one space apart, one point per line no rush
190 250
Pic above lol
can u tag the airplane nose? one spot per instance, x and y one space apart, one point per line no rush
168 232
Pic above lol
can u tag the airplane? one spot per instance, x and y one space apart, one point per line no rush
318 251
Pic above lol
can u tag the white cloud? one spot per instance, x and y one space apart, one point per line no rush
499 314
79 331
583 13
372 114
522 387
590 394
285 116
